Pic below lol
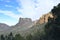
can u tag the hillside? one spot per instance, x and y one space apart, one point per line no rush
40 24
23 24
3 26
26 25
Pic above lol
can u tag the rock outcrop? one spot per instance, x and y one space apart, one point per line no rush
24 21
44 18
26 25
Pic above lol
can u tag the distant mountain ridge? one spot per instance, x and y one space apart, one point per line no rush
3 26
23 24
26 25
24 21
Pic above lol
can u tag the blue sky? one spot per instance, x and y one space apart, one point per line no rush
12 10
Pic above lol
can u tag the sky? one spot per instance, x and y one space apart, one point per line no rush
12 10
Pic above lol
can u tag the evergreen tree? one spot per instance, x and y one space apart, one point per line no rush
52 28
10 36
6 37
29 37
18 37
2 37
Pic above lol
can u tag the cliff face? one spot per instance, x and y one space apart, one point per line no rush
22 25
24 21
44 18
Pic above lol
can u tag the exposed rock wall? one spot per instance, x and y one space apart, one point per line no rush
44 18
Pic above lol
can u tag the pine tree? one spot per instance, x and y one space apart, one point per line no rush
18 37
52 28
2 37
10 36
29 37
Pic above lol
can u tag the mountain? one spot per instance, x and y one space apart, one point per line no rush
39 25
3 26
44 18
22 25
24 22
26 26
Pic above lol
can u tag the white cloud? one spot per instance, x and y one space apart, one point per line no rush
31 8
8 6
28 9
35 8
10 13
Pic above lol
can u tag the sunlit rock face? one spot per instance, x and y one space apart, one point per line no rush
44 18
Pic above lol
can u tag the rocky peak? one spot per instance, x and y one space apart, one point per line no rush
23 21
44 18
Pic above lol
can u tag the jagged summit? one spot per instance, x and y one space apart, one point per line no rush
44 18
24 21
26 25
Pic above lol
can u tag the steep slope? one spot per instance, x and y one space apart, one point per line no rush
44 18
24 22
27 26
40 24
22 25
